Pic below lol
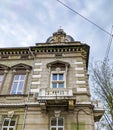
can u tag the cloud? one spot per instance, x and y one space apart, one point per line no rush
26 22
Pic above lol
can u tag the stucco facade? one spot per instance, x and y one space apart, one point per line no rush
45 87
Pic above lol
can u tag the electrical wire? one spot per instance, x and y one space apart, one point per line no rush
84 17
105 115
109 45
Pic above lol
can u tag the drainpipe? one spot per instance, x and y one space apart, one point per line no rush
25 114
31 74
26 106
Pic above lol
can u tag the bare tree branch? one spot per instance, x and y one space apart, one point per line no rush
102 79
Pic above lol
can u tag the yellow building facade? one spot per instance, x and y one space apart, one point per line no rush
45 87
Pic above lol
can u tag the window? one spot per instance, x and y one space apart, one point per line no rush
18 84
58 80
57 123
1 78
58 70
20 78
9 124
3 73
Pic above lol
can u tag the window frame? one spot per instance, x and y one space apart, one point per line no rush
58 66
3 71
20 69
1 80
9 126
18 83
56 126
58 81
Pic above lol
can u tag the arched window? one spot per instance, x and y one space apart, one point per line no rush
19 80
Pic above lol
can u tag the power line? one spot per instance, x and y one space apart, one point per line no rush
84 18
109 45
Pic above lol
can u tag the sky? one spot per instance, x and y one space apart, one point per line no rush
26 22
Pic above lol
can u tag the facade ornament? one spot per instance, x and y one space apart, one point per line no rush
10 114
57 113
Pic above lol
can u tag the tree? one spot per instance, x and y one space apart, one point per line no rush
102 83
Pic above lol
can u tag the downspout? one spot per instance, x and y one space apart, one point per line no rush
31 73
26 106
25 114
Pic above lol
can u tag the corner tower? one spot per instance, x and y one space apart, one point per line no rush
46 87
60 83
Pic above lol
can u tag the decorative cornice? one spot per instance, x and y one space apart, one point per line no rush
21 66
45 48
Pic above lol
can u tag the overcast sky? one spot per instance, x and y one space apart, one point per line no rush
26 22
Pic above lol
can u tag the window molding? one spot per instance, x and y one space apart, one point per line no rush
18 82
66 64
3 71
54 123
9 122
21 66
20 69
58 81
58 67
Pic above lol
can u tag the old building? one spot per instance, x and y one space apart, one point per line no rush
45 87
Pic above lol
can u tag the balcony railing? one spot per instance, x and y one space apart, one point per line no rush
54 93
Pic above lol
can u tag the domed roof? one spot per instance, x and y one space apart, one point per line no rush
59 37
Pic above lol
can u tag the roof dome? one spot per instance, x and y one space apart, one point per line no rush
59 37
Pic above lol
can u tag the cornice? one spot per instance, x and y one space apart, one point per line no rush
45 48
13 51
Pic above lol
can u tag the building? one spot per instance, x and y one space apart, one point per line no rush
45 87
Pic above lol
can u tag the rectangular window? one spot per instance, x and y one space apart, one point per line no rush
58 80
18 84
1 78
57 123
9 124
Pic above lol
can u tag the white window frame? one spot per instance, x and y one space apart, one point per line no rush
58 81
18 83
56 126
8 127
1 79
